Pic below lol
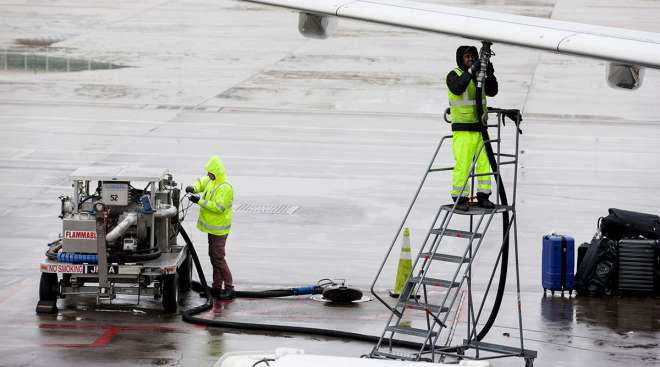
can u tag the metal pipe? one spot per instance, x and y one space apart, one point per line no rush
166 211
122 227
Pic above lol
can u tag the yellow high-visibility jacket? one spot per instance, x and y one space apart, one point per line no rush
217 197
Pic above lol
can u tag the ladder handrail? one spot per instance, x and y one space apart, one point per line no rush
403 222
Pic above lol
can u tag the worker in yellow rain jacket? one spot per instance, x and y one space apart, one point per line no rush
215 212
466 127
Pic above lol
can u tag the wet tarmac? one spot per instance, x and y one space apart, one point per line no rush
325 142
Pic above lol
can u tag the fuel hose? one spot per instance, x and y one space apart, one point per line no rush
485 56
270 293
189 315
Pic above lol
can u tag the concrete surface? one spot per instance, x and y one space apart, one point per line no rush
342 129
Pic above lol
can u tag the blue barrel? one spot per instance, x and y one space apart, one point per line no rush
558 266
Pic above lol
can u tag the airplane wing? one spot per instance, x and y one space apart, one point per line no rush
629 47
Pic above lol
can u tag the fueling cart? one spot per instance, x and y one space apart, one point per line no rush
119 236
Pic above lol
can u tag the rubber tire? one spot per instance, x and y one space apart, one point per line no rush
48 287
170 292
185 274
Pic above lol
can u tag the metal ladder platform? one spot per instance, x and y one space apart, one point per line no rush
436 296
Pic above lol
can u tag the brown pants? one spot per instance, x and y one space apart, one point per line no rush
221 271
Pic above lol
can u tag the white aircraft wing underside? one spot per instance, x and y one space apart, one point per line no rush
606 43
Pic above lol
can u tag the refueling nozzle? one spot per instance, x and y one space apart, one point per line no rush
484 59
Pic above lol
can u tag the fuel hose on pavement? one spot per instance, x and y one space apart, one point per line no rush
189 314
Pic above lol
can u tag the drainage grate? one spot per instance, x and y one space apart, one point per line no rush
278 209
41 61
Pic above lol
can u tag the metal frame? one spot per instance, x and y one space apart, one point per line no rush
437 315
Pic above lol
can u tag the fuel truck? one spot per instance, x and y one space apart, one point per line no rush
119 236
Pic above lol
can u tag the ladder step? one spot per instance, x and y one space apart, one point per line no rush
456 233
446 257
475 210
411 331
424 306
395 355
435 282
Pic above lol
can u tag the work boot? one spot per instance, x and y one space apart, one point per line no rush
463 203
216 292
227 294
483 202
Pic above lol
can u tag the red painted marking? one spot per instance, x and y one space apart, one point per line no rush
106 338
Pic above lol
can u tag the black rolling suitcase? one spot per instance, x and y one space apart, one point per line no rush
638 266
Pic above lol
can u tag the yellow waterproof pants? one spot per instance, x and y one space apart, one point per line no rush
465 145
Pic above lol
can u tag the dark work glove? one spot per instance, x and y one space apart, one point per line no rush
190 189
490 70
475 67
194 198
515 116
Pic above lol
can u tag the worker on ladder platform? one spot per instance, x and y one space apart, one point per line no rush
215 214
466 127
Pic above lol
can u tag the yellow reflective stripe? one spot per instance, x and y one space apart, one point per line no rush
462 103
212 227
203 203
470 102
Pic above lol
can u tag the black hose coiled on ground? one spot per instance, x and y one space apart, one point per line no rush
270 293
189 314
503 200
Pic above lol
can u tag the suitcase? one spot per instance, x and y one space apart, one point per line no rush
581 252
558 263
627 224
596 269
638 266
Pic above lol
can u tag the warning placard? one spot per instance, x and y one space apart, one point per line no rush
80 235
66 268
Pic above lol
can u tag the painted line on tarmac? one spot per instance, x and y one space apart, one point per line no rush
110 331
104 339
94 120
